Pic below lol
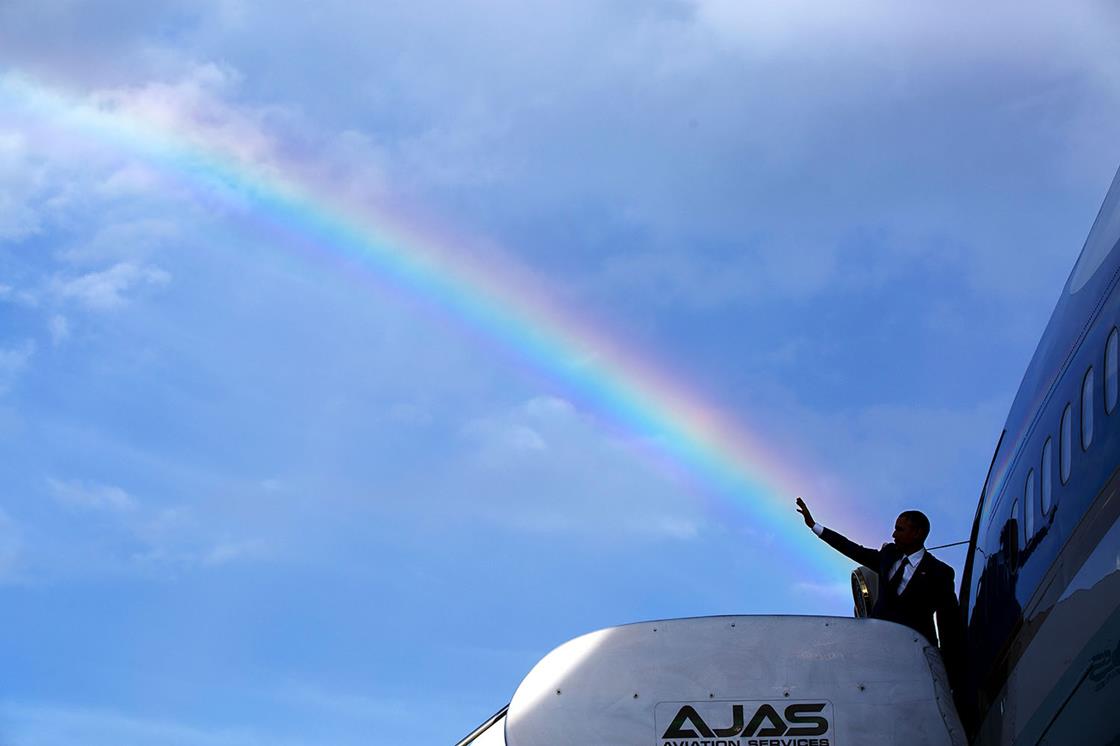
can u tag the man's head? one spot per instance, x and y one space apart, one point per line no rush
910 531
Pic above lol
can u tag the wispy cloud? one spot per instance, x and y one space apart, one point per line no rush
560 473
132 536
11 541
124 239
63 725
108 289
19 187
521 431
195 105
824 590
506 438
1002 30
13 361
59 328
184 537
91 496
232 551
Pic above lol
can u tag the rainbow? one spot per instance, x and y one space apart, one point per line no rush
494 297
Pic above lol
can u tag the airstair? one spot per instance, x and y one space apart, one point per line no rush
734 681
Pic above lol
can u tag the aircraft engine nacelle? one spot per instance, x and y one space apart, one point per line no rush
738 681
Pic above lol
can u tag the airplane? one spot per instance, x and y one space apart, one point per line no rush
1039 597
1041 588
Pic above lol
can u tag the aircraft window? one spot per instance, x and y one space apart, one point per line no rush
1087 411
1066 452
1028 504
1046 474
1111 360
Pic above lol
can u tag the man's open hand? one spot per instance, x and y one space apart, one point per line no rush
803 509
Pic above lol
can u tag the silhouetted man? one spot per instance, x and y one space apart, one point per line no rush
913 584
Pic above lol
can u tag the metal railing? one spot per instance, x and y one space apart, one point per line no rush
484 727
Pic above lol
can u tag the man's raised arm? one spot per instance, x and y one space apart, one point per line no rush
851 550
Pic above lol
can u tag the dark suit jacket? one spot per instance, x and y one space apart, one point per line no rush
930 591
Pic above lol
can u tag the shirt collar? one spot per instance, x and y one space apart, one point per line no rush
916 557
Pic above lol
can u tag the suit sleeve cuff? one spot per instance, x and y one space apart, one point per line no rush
818 529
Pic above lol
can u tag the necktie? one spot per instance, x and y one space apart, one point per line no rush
896 579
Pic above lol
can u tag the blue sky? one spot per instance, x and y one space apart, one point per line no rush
255 497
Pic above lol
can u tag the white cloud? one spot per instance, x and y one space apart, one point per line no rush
194 107
49 724
10 547
826 590
98 529
336 705
17 219
501 439
199 109
64 724
183 537
545 467
781 270
305 705
407 413
20 185
523 438
59 328
129 180
526 127
957 33
126 239
462 154
106 290
13 361
91 496
523 430
667 526
232 551
548 408
19 297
